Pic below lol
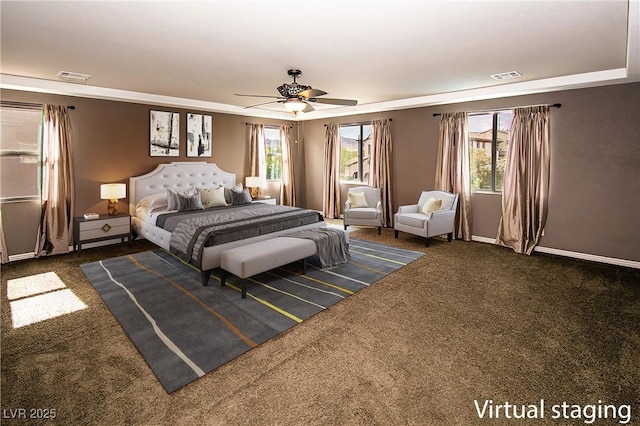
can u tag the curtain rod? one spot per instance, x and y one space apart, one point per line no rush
435 114
268 125
26 104
353 124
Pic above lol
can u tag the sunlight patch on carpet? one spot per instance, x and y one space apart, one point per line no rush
40 297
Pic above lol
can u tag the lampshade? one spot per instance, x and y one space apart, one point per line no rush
253 182
113 191
294 105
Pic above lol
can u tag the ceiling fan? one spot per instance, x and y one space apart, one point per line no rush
298 98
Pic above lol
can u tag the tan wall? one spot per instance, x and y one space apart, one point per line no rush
594 201
111 144
595 156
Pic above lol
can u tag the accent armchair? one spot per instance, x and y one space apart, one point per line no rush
363 207
434 215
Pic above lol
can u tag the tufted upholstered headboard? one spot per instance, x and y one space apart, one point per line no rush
178 176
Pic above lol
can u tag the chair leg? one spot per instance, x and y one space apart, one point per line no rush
395 233
379 229
450 236
426 242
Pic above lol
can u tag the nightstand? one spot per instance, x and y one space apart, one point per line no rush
104 228
265 201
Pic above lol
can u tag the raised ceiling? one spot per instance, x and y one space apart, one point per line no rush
388 55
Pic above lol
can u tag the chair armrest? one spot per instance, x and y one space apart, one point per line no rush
408 209
347 205
442 218
379 207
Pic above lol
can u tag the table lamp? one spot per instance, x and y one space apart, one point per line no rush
112 192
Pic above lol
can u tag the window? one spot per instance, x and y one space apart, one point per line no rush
355 152
273 153
20 131
488 138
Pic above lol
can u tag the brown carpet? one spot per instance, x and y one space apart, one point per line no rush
468 321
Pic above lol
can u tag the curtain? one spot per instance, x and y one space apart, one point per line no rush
525 195
54 233
287 188
257 160
331 189
4 252
452 168
380 167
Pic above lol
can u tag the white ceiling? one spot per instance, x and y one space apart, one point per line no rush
388 55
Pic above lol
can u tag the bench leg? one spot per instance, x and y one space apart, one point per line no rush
304 266
244 288
205 277
223 278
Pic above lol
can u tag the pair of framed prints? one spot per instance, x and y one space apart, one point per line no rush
164 134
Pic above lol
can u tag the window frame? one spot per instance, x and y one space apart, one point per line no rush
276 128
494 150
361 140
30 153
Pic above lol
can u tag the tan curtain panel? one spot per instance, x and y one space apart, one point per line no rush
452 168
525 197
4 252
55 231
287 188
380 167
257 160
331 188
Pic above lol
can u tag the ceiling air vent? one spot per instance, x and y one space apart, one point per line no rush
506 75
74 77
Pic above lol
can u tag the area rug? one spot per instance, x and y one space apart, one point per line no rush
184 330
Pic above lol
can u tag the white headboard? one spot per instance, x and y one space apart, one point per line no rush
178 176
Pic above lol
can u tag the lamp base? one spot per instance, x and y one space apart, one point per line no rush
112 208
254 192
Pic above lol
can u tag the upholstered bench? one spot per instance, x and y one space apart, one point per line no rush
253 259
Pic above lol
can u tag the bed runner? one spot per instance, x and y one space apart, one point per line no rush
192 234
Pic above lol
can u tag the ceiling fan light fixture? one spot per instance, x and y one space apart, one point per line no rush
294 105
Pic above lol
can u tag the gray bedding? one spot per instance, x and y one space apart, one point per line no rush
192 231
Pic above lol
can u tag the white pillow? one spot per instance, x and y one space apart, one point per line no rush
431 206
357 199
153 202
212 197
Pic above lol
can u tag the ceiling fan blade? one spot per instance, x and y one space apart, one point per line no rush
308 107
311 93
260 96
333 101
264 103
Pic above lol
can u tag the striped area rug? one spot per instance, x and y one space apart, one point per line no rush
185 330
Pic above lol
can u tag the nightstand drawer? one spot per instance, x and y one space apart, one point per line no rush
103 228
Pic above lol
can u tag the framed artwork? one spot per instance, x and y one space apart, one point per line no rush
199 135
164 134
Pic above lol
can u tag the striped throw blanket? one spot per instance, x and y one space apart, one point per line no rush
331 243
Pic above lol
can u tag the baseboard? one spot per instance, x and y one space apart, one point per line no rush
25 256
573 254
548 250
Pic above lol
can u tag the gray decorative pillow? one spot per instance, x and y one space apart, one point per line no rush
228 193
190 202
243 197
173 202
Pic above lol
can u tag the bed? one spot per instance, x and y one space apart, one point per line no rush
181 176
